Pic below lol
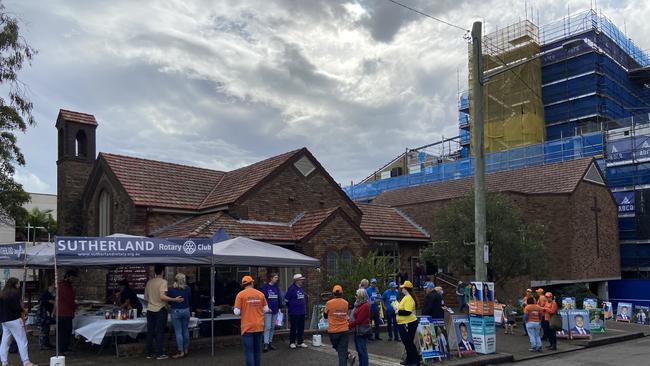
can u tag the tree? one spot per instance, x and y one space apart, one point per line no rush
516 247
370 266
15 114
41 222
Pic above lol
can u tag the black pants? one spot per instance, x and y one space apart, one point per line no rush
545 329
374 314
552 336
340 344
156 324
44 332
64 332
407 333
297 331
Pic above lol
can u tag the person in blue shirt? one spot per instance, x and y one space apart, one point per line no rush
391 295
272 294
296 301
374 297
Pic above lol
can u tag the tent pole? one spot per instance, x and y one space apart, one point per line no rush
22 295
56 303
212 304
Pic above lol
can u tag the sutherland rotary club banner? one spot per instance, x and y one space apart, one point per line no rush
131 247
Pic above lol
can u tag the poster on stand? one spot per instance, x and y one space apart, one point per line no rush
568 303
488 298
596 321
483 333
608 314
641 314
624 312
463 335
589 303
432 338
579 324
476 298
564 333
498 314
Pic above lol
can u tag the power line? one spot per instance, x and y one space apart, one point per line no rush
429 16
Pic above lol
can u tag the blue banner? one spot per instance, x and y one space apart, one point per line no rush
625 202
13 251
432 338
84 247
619 150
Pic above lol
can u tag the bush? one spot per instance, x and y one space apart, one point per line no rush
370 266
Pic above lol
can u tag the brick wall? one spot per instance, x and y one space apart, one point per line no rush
72 175
122 208
290 193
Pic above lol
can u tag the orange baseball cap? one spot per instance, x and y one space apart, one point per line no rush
539 291
548 294
407 284
246 280
337 288
529 290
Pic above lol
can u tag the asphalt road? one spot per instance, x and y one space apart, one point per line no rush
632 353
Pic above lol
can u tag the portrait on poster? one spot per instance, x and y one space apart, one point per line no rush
579 324
624 312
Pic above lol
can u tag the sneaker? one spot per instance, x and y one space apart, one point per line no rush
162 357
266 348
303 345
352 359
150 357
272 347
292 346
532 350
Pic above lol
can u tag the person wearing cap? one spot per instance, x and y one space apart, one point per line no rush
550 308
433 302
336 313
524 302
375 300
297 308
407 323
64 309
271 291
541 301
391 296
250 305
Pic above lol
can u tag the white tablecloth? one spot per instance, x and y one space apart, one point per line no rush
95 328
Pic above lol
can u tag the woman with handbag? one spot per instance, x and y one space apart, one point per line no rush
361 326
407 323
13 324
551 315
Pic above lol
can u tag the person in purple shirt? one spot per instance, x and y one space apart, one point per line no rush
297 308
272 293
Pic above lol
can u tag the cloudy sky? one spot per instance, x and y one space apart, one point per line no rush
221 83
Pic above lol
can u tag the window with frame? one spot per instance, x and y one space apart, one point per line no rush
332 262
104 227
346 257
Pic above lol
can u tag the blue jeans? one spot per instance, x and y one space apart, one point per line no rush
533 329
269 327
252 343
181 322
361 344
391 325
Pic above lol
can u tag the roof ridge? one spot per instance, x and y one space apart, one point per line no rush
411 221
161 162
211 191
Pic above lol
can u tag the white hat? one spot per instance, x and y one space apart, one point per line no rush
298 276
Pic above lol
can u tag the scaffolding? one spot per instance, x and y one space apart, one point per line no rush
512 103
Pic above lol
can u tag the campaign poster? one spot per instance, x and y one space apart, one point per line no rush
568 303
564 332
463 334
432 338
596 321
498 314
483 333
579 324
476 298
589 303
641 314
488 298
623 312
608 314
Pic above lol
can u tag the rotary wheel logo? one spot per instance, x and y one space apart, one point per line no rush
189 247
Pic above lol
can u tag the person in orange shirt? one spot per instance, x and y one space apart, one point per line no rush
550 308
524 302
534 315
541 301
336 313
250 305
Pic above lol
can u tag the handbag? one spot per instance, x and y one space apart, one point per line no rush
279 319
363 330
555 323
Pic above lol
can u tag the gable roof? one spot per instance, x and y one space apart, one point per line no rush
379 221
558 178
78 117
175 186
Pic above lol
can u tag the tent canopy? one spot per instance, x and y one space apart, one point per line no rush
243 251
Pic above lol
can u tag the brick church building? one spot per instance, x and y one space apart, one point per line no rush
288 200
569 198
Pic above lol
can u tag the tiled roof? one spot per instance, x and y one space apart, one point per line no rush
160 184
237 182
78 117
310 220
387 222
558 178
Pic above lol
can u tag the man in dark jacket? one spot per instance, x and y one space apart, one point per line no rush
433 302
